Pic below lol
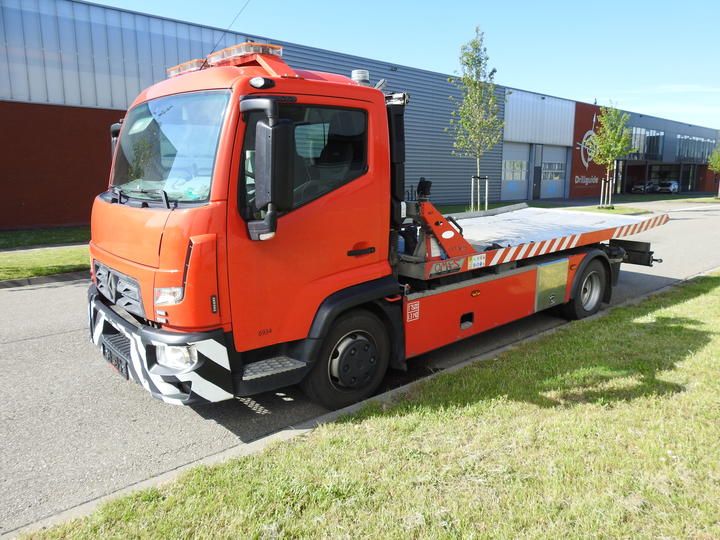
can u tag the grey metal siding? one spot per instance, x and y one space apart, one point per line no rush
535 118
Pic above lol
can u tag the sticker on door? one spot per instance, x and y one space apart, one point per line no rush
413 311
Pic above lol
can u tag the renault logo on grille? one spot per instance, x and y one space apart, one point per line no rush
112 286
119 289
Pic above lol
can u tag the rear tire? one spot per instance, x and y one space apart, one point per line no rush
588 296
352 363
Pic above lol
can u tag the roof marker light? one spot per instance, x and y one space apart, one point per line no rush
226 55
185 67
261 82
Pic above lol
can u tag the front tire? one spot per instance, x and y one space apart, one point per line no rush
588 296
353 360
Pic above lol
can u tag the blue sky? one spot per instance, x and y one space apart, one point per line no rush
654 57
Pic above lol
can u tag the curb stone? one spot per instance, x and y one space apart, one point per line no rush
80 275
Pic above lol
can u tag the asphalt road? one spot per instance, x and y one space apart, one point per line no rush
72 430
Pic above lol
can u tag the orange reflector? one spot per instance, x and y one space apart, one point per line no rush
242 49
185 67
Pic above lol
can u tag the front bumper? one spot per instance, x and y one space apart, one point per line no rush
209 380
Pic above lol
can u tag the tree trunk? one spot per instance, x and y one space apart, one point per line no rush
607 186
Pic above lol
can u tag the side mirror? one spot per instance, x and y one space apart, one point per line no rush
273 166
114 134
273 179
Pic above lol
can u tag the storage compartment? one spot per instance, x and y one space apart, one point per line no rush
551 284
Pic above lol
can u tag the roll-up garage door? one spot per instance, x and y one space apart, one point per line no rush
554 162
515 171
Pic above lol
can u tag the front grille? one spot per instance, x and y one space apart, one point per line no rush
119 289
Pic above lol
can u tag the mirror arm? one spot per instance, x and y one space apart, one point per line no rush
114 134
267 105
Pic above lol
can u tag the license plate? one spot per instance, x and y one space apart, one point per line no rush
118 363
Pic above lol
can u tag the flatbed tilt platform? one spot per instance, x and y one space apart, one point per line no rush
469 241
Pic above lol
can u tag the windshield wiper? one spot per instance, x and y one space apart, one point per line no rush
118 193
163 194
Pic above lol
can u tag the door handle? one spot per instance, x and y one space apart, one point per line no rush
359 252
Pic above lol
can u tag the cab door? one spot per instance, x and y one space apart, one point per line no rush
336 234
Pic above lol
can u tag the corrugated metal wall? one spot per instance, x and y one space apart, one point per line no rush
71 53
68 52
534 118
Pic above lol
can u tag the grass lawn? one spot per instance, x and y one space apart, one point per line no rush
702 200
621 210
38 237
43 262
457 208
608 428
617 199
650 197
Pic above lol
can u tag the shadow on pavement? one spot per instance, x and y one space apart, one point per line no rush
250 418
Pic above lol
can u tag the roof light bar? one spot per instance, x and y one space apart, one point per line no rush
185 67
225 56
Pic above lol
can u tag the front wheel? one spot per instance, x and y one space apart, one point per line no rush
353 360
589 294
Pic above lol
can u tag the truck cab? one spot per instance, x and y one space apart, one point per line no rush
200 293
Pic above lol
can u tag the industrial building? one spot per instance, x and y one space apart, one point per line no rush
69 68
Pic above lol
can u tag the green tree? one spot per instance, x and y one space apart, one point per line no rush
474 122
714 164
612 140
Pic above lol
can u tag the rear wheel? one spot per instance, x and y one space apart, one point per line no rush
588 296
352 363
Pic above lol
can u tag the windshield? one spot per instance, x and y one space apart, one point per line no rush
169 144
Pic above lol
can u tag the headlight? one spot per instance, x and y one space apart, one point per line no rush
176 357
167 296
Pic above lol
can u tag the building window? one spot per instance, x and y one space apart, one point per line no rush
694 149
553 171
330 151
648 144
514 169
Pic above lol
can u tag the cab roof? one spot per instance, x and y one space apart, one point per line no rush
216 77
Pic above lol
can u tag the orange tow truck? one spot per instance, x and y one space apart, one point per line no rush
254 235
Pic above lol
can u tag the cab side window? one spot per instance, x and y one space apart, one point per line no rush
330 150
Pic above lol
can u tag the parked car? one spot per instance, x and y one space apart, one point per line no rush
669 186
644 188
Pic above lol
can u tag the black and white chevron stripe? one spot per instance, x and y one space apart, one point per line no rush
211 380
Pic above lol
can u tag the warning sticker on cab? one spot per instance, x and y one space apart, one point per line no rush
413 311
476 261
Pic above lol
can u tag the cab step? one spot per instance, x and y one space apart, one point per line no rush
271 366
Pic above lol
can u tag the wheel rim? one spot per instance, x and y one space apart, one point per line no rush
353 361
590 291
